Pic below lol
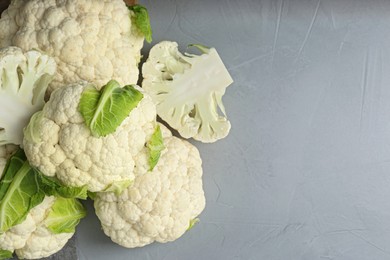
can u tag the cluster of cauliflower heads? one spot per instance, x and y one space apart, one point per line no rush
74 124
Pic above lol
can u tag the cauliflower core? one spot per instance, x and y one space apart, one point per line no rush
58 142
92 40
31 239
160 204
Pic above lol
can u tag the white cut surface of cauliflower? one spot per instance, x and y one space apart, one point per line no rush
24 78
188 90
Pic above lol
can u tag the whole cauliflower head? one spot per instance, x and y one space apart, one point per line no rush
58 142
160 205
32 239
92 40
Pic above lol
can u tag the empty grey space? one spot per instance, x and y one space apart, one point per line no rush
305 171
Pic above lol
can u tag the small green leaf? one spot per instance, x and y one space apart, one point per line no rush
5 254
73 192
155 145
193 222
142 21
118 187
36 199
20 191
64 215
92 195
104 110
53 187
32 131
10 169
48 184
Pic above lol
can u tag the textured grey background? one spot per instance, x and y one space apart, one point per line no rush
305 172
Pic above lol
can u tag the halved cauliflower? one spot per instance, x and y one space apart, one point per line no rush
58 142
92 40
24 78
160 205
32 239
188 90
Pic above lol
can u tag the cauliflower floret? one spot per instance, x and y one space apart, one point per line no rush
32 239
92 40
188 90
160 205
59 143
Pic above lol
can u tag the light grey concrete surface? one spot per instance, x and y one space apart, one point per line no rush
305 171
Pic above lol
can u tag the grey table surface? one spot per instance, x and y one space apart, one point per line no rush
305 171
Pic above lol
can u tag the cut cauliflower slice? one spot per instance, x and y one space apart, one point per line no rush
160 205
24 78
58 142
188 90
32 239
89 40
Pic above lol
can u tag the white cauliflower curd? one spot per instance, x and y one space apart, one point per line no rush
32 239
92 40
160 205
33 224
59 143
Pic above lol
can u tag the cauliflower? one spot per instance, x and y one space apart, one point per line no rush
33 223
59 142
160 205
24 78
33 238
188 90
92 40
